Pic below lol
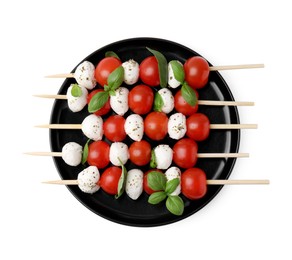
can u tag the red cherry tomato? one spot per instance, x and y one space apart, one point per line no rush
105 109
98 154
140 153
149 72
182 106
196 72
193 183
185 153
109 180
146 187
198 127
155 125
114 128
105 67
141 99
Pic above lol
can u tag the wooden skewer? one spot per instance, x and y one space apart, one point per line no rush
200 102
200 155
213 68
209 182
63 75
212 126
236 67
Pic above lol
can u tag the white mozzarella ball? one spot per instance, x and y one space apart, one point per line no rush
76 104
131 72
88 179
172 82
177 126
134 127
134 183
168 100
84 75
119 150
119 102
72 153
172 173
92 127
163 154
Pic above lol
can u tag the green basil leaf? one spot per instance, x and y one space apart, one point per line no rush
112 93
178 71
158 102
153 163
171 185
175 205
157 197
116 78
76 91
122 181
112 54
98 101
85 152
156 181
189 94
162 67
106 88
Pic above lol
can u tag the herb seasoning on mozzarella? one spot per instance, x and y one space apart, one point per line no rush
134 127
172 173
134 183
177 126
163 154
88 179
168 100
119 153
72 153
131 72
92 127
119 102
84 75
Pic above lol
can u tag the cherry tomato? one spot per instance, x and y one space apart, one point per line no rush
146 188
140 153
149 72
185 153
105 67
141 99
98 154
198 127
114 128
196 72
155 125
193 183
105 109
109 180
182 106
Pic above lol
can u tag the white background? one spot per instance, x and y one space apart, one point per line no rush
243 222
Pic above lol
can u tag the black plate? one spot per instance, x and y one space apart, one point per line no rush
140 212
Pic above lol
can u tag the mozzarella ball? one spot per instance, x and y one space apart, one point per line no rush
134 183
131 72
134 127
172 173
92 127
119 150
119 102
168 100
76 104
72 153
177 126
88 179
163 154
172 82
84 75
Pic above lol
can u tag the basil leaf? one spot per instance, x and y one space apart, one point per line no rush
157 197
106 88
171 186
122 181
175 205
158 102
153 163
178 71
98 101
112 54
76 91
85 152
116 78
162 67
112 93
189 94
156 181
